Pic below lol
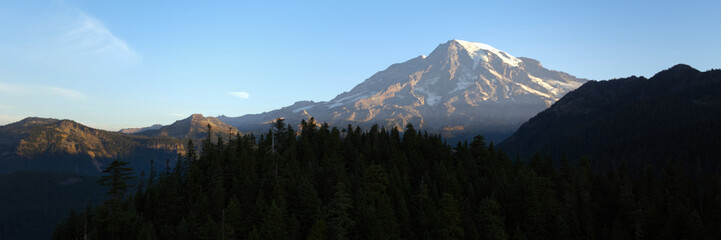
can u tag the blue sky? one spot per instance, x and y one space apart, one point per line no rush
116 64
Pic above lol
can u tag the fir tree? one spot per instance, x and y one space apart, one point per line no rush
116 178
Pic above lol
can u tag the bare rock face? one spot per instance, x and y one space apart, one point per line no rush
459 90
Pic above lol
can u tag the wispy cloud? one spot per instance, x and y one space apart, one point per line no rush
66 93
6 107
89 38
6 119
78 41
41 90
241 95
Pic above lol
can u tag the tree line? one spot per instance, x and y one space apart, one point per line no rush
329 183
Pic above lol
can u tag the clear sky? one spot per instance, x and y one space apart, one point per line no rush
116 64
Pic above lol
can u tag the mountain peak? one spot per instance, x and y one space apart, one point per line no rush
142 129
676 71
33 121
196 116
65 145
480 51
681 67
195 126
459 85
36 120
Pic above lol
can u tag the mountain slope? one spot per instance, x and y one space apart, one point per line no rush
194 127
64 145
138 130
459 90
674 115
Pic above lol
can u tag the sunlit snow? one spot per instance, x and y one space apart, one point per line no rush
479 51
303 108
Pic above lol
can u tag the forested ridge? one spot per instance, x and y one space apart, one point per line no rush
46 144
674 115
330 183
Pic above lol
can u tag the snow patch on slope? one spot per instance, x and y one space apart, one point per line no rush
465 82
431 98
479 51
303 108
565 85
543 84
535 92
349 99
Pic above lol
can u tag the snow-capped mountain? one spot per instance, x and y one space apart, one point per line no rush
459 90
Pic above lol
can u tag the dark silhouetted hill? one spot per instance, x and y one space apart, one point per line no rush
674 115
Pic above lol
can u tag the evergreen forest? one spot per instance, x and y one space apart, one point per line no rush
328 183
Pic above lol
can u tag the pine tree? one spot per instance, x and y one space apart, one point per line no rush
318 231
116 177
491 223
232 220
450 218
424 214
339 219
334 184
305 204
274 224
